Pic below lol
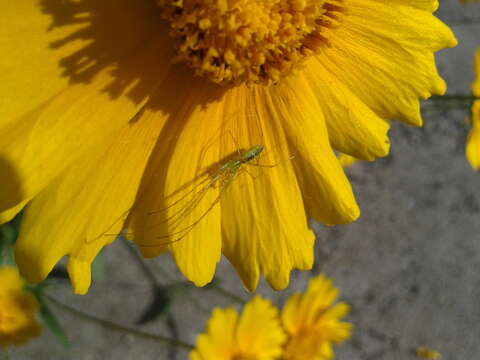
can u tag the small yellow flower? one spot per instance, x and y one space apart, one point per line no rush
111 108
313 323
473 141
18 310
426 353
305 330
256 334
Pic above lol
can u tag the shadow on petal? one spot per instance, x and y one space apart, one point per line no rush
108 35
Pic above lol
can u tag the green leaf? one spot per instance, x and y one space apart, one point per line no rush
48 317
159 305
53 324
9 231
98 267
15 222
7 242
7 234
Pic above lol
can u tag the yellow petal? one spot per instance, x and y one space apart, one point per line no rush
326 350
180 210
338 311
47 45
429 5
259 332
347 160
82 210
10 279
476 82
263 219
302 310
7 215
326 191
289 314
80 271
388 64
473 140
43 143
312 323
219 340
353 127
319 296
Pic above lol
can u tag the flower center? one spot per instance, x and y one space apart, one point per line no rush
252 41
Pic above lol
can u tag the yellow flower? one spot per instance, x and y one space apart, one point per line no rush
306 329
312 322
254 335
473 141
426 353
98 123
18 310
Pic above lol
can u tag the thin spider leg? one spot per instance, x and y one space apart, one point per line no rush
273 149
185 210
291 157
175 220
125 214
184 232
181 198
249 173
236 143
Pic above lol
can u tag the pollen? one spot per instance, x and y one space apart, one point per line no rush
251 41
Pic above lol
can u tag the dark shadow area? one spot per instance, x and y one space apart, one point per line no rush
11 185
114 33
101 24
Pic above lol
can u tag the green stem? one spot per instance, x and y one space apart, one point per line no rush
455 97
139 260
227 293
197 304
6 354
161 270
462 22
118 327
151 276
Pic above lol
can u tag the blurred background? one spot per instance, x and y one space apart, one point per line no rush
410 267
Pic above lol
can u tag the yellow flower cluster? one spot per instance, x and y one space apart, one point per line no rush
18 310
305 329
473 140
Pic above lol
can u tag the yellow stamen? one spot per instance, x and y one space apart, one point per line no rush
235 41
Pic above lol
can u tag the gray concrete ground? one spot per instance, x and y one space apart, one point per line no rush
410 267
